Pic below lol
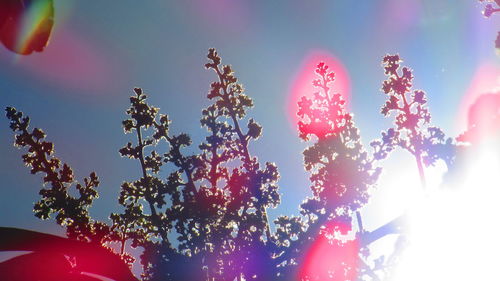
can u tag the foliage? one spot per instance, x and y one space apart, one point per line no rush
341 171
71 212
412 131
492 7
207 219
250 189
203 215
342 176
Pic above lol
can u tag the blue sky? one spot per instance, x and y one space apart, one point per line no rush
78 89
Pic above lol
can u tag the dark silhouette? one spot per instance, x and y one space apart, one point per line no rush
71 212
492 7
413 133
342 172
19 37
207 220
218 197
215 201
412 130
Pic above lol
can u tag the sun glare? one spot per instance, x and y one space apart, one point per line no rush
452 231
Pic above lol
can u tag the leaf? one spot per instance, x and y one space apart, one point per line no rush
254 129
419 97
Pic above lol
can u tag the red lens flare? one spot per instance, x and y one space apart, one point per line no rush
332 256
483 118
302 83
480 106
58 258
26 25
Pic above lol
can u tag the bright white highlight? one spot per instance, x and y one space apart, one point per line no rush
454 232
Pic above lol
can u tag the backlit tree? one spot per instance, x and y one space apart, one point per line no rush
413 131
342 176
200 213
492 7
206 220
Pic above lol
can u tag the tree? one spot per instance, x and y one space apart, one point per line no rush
215 202
342 177
491 8
207 219
70 211
412 131
250 188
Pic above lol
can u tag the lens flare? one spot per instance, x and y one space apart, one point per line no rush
483 119
36 22
486 79
454 231
332 256
302 84
75 62
26 25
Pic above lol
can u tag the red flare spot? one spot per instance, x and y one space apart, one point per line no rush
331 257
26 25
480 107
302 85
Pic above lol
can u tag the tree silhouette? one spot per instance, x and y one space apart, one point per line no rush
341 171
71 212
250 188
492 7
147 219
202 215
342 176
412 131
206 220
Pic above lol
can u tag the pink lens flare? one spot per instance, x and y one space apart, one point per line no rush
480 104
332 256
302 83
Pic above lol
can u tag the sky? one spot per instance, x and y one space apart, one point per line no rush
77 89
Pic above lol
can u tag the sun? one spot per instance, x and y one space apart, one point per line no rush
453 231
